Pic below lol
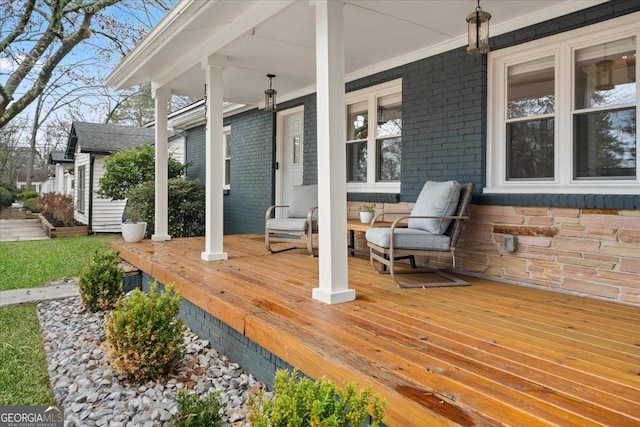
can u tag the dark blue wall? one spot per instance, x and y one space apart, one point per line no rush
443 135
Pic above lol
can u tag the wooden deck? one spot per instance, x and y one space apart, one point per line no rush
486 354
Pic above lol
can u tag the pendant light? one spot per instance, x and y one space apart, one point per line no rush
270 96
478 28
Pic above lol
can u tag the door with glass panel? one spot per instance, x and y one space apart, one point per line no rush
289 154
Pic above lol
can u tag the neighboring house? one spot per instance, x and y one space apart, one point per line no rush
39 179
88 145
545 125
62 180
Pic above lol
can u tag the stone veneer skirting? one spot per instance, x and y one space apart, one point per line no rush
587 252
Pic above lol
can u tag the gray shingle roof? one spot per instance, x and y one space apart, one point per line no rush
58 156
106 139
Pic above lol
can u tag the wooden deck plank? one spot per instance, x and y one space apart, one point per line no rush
488 354
413 362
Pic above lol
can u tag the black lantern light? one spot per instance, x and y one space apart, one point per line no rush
478 27
270 96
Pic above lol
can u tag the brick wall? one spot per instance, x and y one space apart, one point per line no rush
252 173
253 358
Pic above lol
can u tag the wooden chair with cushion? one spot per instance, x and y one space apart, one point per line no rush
433 229
300 223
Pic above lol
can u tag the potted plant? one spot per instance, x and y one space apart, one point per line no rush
133 228
366 213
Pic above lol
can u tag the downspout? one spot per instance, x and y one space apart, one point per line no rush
92 160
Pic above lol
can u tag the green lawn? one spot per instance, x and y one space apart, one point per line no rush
23 371
34 263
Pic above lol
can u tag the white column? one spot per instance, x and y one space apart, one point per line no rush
59 179
332 189
161 231
214 212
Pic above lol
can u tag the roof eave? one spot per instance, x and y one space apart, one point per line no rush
178 17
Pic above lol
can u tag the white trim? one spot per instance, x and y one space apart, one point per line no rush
562 47
226 131
370 95
280 115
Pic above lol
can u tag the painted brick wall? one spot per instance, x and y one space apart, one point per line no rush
195 150
253 358
251 169
252 154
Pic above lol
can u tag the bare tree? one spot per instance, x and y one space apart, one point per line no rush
12 155
37 36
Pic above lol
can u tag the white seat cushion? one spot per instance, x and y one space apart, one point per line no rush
408 238
303 199
287 224
435 199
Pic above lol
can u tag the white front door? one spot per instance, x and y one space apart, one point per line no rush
289 153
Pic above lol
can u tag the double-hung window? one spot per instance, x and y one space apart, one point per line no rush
563 113
374 138
81 189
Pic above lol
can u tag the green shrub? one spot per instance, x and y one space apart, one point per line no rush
186 206
130 168
305 402
32 205
197 411
6 197
61 207
101 282
144 336
29 194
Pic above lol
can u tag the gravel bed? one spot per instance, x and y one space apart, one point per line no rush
93 395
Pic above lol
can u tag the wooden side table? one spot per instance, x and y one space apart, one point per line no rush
354 225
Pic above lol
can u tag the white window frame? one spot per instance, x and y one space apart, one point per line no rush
226 131
81 190
371 95
562 47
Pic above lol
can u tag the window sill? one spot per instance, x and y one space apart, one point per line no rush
632 187
387 187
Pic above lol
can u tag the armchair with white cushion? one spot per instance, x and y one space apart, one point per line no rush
432 229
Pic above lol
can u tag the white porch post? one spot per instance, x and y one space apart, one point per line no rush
59 179
161 232
332 201
214 212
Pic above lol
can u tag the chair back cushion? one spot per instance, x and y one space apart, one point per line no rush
435 199
303 198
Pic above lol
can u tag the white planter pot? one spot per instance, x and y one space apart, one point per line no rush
133 231
366 217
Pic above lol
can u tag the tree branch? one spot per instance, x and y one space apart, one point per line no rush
26 16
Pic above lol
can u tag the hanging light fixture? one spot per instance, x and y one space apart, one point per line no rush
478 27
604 74
270 96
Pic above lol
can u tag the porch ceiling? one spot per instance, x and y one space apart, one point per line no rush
260 37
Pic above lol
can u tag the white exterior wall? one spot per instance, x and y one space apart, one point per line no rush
107 213
176 148
81 159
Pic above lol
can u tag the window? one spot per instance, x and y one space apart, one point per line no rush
81 189
563 113
374 138
227 157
